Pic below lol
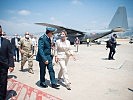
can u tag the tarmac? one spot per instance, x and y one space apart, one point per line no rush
92 76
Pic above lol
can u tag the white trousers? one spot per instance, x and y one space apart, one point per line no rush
63 70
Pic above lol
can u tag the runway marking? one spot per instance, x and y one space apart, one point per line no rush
20 91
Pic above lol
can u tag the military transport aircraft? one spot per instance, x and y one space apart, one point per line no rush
118 24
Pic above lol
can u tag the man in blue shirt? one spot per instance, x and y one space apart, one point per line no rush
45 57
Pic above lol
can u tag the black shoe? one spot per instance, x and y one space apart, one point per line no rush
112 58
31 71
109 58
43 85
55 86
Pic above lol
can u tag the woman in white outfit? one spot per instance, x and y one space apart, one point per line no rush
62 54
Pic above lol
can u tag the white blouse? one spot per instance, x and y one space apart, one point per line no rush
61 48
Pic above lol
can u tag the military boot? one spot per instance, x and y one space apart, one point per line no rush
31 71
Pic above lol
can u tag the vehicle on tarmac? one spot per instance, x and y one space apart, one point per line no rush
118 23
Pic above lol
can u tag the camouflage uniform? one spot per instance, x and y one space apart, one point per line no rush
26 46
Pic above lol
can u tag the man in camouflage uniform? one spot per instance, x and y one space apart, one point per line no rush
25 47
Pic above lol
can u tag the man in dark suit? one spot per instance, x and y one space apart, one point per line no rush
45 57
14 42
112 47
6 62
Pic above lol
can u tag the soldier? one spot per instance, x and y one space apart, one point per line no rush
25 47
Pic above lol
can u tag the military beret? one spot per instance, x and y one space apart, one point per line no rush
51 29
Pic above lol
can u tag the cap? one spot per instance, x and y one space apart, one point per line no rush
50 29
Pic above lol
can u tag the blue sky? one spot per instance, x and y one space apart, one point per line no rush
19 16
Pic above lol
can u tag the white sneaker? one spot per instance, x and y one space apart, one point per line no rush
68 87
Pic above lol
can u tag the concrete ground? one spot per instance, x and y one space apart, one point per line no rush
92 76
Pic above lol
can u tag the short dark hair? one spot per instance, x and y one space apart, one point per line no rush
0 30
47 31
114 34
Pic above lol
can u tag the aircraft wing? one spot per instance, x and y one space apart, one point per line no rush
107 32
60 28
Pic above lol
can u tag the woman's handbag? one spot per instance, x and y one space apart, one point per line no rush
68 53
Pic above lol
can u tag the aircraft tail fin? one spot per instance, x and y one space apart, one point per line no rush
119 19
